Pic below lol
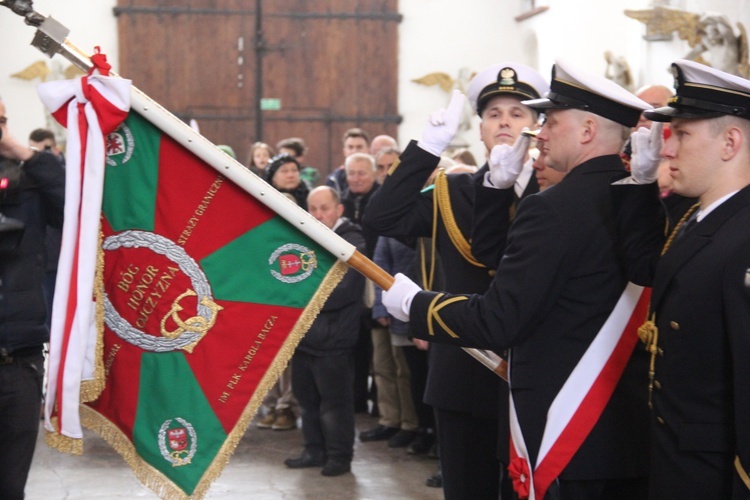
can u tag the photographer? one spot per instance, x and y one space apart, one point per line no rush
31 197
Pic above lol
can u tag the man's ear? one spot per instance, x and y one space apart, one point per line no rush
340 210
733 140
588 130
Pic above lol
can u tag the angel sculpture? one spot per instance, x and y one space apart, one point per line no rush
710 36
723 49
618 70
447 84
54 71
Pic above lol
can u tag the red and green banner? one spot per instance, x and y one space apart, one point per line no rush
202 293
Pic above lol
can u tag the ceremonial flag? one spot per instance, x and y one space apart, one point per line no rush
201 294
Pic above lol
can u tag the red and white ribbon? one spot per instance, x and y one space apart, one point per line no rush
581 400
91 107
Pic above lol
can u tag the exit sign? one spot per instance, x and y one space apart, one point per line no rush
270 104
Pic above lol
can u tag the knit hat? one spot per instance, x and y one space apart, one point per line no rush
276 162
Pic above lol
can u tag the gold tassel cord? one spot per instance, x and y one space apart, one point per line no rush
648 332
443 205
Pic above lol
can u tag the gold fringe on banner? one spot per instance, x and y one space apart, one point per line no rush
155 480
149 476
92 389
65 444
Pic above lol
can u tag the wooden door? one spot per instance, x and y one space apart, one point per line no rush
332 65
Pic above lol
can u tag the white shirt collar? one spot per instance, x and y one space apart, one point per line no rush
703 212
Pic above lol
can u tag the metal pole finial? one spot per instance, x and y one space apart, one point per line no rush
25 9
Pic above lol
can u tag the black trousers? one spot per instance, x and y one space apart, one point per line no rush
323 388
362 363
20 409
468 456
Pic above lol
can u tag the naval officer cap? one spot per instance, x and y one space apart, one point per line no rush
704 92
573 88
505 79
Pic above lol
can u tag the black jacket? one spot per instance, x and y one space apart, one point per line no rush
336 328
399 209
36 198
557 283
701 301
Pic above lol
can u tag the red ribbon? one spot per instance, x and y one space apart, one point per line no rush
519 473
99 61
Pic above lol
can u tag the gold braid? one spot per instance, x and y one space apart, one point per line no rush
442 205
648 332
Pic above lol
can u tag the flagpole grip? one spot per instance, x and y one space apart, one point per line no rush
371 270
384 280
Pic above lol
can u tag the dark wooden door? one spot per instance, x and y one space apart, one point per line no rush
332 64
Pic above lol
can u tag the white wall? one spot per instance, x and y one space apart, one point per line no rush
435 35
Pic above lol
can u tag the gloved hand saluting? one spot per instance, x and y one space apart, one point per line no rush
397 299
506 163
443 125
646 145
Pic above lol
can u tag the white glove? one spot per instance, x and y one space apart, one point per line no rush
646 145
443 125
397 299
506 163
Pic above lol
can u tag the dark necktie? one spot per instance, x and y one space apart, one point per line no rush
687 226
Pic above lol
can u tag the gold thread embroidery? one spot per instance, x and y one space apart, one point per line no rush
195 324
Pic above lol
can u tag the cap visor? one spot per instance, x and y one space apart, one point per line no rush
668 113
544 103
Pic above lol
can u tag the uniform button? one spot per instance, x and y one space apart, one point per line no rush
660 420
492 272
657 384
675 325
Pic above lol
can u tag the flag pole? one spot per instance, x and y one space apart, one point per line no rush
51 38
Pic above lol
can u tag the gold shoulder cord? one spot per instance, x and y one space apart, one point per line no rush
648 332
442 204
741 471
427 278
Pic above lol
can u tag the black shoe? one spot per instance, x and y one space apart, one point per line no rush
421 444
379 433
307 459
435 480
402 439
336 468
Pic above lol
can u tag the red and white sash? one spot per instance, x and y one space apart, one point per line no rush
91 107
581 400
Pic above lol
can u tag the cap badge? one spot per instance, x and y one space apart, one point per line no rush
508 77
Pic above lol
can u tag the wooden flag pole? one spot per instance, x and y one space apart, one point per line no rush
51 38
